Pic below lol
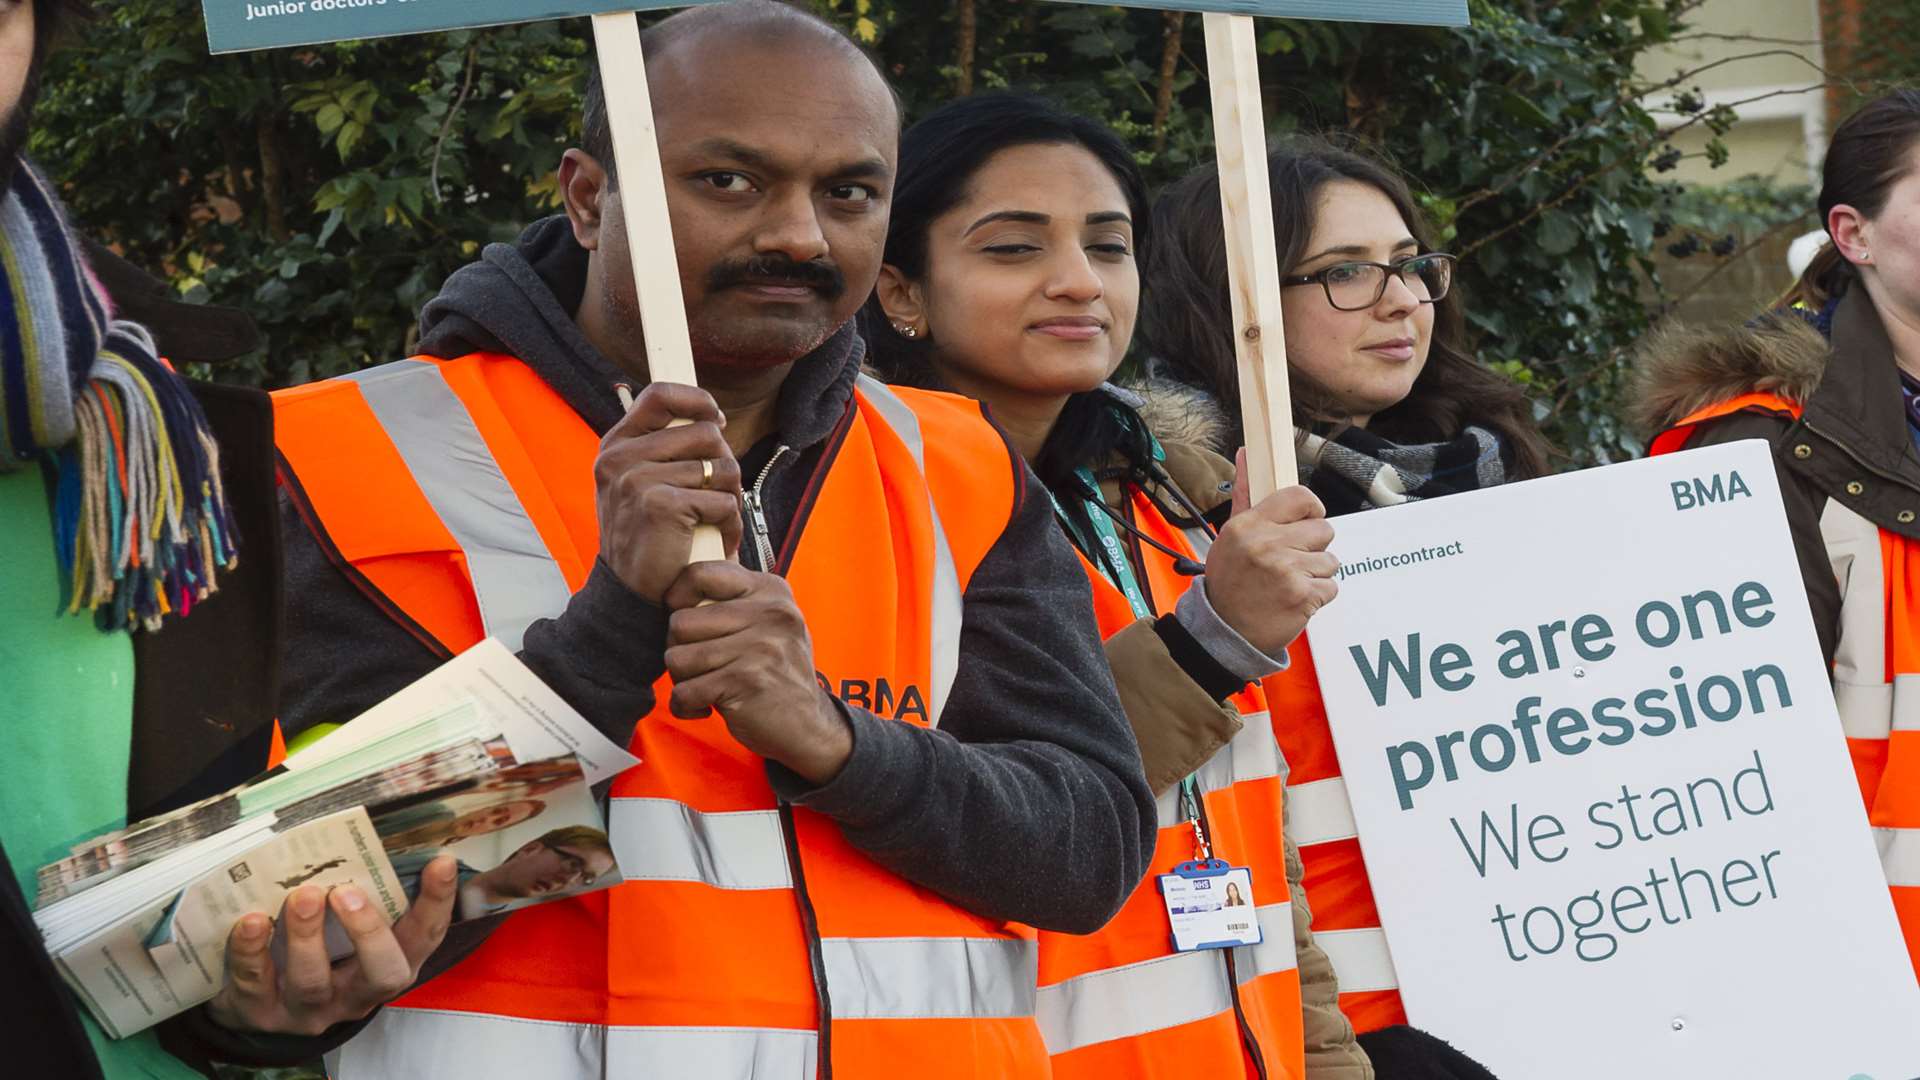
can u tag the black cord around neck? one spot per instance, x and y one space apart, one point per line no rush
1181 563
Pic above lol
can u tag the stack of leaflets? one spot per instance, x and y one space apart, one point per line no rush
480 760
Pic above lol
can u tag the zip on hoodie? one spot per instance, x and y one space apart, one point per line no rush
754 502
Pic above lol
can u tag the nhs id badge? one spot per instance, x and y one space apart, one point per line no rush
1210 904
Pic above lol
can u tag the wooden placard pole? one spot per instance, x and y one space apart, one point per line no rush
1253 264
656 273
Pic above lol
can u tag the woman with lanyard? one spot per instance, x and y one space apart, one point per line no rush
1391 407
1011 277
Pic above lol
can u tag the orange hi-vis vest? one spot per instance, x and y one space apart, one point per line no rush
1876 667
747 939
1121 1002
1346 924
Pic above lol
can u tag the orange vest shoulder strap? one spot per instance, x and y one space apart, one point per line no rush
958 450
1675 437
393 472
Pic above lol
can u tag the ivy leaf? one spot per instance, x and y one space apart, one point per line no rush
1558 233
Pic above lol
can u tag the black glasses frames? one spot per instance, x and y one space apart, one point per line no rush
1357 286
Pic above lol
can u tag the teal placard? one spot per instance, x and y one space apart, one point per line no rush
1410 12
240 25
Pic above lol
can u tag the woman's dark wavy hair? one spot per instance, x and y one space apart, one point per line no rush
1186 318
53 17
939 157
1870 152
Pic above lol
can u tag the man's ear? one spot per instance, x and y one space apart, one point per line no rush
903 300
583 190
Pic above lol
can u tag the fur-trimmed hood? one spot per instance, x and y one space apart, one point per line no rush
1178 413
1681 370
1191 428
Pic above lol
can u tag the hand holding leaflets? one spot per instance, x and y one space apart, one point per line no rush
350 845
299 988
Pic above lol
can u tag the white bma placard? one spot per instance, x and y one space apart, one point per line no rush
1601 788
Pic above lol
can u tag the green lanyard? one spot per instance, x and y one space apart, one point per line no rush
1118 570
1107 549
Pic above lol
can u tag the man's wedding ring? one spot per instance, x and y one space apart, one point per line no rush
706 473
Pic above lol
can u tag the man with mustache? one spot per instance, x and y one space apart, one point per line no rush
875 740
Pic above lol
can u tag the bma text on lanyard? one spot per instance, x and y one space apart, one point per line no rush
1209 901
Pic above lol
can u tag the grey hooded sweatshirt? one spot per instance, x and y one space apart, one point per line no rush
1028 803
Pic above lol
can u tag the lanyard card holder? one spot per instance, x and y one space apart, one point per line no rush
1210 905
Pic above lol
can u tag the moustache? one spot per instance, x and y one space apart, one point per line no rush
820 276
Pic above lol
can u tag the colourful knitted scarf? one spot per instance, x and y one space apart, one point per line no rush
140 522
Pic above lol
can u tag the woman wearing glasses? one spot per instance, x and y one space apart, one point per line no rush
1390 407
1390 403
1011 276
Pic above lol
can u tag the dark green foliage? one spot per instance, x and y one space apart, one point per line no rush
1874 45
301 184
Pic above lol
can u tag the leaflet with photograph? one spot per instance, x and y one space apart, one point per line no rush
138 919
423 775
513 701
523 835
169 955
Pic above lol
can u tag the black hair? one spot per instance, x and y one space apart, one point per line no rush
1186 318
1871 151
939 157
596 133
51 18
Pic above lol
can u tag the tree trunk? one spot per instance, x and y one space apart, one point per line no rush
271 176
963 59
1169 67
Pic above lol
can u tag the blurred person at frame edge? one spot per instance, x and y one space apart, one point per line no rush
1830 378
126 497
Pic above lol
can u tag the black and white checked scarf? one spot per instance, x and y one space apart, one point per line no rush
1358 470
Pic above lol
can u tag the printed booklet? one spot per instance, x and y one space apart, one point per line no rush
479 759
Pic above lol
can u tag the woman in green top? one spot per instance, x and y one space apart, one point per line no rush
114 519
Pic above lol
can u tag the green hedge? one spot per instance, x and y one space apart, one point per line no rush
330 190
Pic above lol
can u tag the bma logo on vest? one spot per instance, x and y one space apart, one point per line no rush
878 698
1695 493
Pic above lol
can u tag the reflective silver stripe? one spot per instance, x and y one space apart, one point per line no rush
424 1044
1318 812
430 1043
515 578
708 1053
1899 855
1866 712
1360 959
944 658
1123 1002
664 840
1275 952
926 978
1906 703
1860 658
1201 541
1252 755
1165 992
1877 710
